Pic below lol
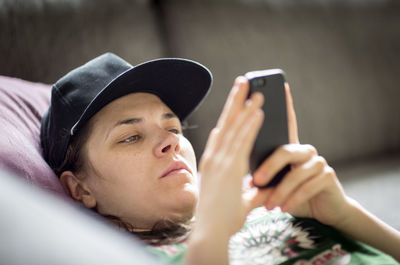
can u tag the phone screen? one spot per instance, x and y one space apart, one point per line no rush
274 130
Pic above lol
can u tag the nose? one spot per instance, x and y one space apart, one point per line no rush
169 144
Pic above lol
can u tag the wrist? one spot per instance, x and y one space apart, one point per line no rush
207 248
351 209
209 235
365 227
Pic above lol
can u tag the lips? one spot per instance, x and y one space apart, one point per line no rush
177 167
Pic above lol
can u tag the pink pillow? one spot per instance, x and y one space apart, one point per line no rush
22 105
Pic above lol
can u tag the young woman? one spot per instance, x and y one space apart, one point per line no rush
113 135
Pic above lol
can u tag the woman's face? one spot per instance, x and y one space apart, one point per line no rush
140 166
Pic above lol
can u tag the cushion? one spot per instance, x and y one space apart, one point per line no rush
22 105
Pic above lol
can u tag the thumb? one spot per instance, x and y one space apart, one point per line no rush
291 115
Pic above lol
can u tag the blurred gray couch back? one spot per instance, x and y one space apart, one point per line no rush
342 58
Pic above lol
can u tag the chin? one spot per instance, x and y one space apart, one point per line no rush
182 204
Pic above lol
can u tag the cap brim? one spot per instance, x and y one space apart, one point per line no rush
180 83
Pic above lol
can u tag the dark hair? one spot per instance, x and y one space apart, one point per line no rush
163 232
74 158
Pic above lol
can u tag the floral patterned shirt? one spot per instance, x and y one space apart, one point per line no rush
273 237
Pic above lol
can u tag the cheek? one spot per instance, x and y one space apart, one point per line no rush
119 166
120 178
188 153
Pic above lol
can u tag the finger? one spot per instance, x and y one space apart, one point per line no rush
243 132
291 115
290 154
306 192
224 146
235 101
210 147
217 134
221 140
295 178
247 136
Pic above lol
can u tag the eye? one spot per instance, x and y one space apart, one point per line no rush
175 131
131 139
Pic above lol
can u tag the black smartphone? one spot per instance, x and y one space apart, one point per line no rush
274 130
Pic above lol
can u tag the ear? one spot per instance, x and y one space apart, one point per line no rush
77 189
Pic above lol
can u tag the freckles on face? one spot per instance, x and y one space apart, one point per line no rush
143 168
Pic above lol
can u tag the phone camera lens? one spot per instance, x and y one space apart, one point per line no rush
258 82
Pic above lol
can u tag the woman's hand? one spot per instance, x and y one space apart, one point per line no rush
225 161
223 207
311 188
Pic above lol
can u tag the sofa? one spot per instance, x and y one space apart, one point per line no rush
342 60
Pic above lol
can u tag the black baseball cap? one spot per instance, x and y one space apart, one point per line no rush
180 83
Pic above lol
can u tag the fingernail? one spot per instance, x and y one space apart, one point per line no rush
261 176
241 80
256 179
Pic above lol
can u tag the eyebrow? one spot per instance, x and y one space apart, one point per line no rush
165 116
